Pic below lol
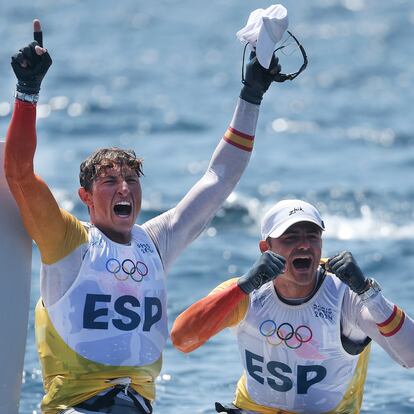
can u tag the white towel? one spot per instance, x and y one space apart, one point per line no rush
264 29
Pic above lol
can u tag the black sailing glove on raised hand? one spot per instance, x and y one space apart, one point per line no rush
344 266
267 267
257 79
31 63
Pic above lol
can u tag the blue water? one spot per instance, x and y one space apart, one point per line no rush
162 77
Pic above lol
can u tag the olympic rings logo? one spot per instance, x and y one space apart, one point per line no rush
128 268
292 338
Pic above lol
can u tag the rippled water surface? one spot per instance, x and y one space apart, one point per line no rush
162 77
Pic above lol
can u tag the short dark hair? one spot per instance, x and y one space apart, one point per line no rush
105 158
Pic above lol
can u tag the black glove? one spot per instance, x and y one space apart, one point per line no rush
267 267
257 79
344 266
29 67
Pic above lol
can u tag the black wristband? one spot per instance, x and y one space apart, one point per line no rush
247 95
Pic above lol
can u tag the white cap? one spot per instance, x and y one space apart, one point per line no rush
275 23
264 29
286 213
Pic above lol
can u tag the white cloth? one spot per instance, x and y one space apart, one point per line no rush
264 29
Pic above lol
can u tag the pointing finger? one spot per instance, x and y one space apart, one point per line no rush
40 50
37 32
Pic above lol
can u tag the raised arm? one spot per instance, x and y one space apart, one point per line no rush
175 229
384 322
40 213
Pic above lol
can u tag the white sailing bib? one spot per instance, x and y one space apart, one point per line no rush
115 312
292 355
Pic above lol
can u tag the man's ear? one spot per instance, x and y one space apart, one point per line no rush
263 246
85 196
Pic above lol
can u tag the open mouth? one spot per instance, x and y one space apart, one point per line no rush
302 263
123 208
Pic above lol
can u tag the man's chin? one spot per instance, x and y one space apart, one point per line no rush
303 274
123 223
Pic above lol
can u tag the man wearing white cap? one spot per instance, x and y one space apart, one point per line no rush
303 324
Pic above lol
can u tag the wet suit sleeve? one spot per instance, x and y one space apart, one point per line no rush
224 307
50 227
176 228
386 324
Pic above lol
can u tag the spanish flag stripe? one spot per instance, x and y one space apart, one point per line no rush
241 134
233 134
238 145
394 312
393 324
239 141
398 327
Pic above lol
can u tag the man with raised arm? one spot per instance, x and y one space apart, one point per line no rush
101 323
303 324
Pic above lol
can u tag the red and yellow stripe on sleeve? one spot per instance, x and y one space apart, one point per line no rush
239 139
393 324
